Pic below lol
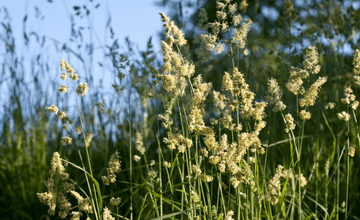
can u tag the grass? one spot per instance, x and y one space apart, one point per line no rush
252 146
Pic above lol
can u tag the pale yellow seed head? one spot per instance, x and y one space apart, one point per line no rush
351 151
62 89
304 115
107 214
52 109
136 158
344 116
207 178
82 89
63 76
115 202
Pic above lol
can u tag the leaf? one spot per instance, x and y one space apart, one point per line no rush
25 18
175 213
94 181
96 6
76 8
284 190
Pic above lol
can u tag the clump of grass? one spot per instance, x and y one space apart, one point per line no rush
218 162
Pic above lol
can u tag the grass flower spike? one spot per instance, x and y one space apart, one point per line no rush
62 89
53 109
82 89
114 167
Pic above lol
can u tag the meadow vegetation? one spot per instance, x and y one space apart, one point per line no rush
223 127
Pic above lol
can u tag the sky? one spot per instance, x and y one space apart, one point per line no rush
135 19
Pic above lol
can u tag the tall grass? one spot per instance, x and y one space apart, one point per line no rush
278 145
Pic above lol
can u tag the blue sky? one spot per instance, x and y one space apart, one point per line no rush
136 19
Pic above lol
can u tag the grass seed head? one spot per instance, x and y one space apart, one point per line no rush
351 151
82 89
52 109
75 215
115 202
304 115
344 116
136 158
62 89
289 122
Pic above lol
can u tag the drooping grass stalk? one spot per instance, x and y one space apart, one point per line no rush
92 199
94 182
